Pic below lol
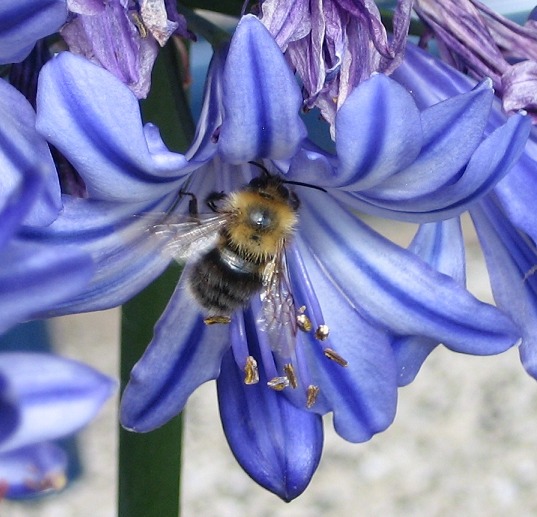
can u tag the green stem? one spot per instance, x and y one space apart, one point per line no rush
149 467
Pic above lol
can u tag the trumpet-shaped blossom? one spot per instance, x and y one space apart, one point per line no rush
42 398
335 45
474 38
34 276
392 158
123 36
504 219
120 35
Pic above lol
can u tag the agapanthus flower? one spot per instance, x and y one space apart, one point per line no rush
473 38
120 35
123 36
504 219
335 45
34 277
42 398
369 291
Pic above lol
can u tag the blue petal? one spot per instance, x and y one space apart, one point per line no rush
33 470
55 396
24 152
490 162
261 98
395 289
452 130
183 354
362 395
34 278
8 410
511 261
94 120
125 258
24 22
518 190
441 245
378 133
277 444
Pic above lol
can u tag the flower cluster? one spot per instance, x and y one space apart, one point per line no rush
340 316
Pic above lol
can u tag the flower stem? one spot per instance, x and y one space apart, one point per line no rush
149 468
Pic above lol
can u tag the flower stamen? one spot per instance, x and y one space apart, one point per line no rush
312 393
278 383
334 356
251 373
291 375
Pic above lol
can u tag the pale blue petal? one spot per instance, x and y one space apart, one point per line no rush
33 470
441 245
362 395
36 277
277 444
261 98
24 152
84 111
511 261
392 287
183 354
378 133
24 22
55 396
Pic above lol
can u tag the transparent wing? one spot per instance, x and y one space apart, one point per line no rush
182 237
278 313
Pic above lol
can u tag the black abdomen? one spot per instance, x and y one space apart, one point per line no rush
220 288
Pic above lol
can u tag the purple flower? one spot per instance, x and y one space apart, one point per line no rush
474 38
335 45
369 291
504 219
34 276
42 398
120 35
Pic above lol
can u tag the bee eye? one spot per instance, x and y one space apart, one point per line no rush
260 218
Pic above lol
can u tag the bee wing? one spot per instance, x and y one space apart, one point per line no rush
182 237
278 313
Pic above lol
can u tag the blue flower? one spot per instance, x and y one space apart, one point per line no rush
34 277
504 218
369 291
119 35
42 398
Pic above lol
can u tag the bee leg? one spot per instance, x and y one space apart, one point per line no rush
212 199
192 204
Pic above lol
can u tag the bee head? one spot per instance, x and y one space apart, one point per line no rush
273 188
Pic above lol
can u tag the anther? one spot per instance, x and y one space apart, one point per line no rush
303 322
334 356
278 383
312 393
139 24
251 373
322 332
213 320
291 375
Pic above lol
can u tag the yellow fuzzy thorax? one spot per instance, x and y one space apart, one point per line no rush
254 243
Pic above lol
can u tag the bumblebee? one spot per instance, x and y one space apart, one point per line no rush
242 244
238 251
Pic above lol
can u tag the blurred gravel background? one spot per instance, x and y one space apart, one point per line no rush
464 442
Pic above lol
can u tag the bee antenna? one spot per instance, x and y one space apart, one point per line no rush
291 182
262 167
302 184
